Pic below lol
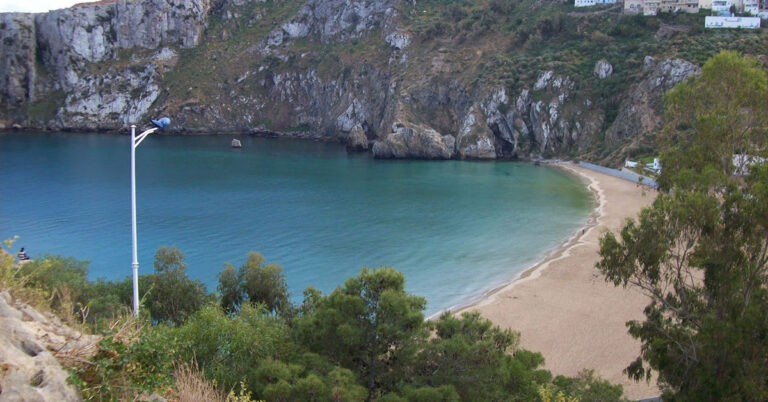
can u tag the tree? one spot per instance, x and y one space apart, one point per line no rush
256 283
370 326
229 289
173 296
264 284
480 360
701 252
712 117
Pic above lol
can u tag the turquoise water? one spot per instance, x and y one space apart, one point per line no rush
455 228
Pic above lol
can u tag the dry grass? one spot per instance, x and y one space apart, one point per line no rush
191 385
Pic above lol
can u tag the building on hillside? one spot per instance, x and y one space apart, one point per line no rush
731 22
673 6
633 6
654 167
651 7
588 3
751 6
722 7
645 7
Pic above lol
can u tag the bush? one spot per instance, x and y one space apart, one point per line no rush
172 296
123 369
231 350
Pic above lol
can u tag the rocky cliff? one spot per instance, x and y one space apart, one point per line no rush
389 76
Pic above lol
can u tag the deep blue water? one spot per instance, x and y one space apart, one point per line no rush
454 228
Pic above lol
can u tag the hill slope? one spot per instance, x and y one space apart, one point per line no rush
422 79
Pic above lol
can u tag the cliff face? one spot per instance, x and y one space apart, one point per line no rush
54 63
360 72
30 343
639 113
17 59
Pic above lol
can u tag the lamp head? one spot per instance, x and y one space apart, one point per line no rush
162 122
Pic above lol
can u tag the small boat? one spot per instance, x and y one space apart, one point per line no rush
236 143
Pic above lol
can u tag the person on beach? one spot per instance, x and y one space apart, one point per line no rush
22 255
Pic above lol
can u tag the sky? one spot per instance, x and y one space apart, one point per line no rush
36 6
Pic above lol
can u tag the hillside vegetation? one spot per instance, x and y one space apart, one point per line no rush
366 340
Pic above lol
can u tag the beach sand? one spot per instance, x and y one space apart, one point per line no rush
564 309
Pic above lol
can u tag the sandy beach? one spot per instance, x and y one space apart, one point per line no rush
564 309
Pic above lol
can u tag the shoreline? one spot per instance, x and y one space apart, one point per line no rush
532 272
562 306
548 256
551 255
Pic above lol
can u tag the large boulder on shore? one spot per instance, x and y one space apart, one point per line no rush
413 141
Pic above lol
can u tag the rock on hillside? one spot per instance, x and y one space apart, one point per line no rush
338 20
641 110
70 38
415 142
28 341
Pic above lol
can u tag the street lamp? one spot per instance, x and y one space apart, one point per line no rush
135 141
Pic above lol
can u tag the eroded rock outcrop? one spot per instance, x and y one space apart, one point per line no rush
475 140
413 141
28 341
357 141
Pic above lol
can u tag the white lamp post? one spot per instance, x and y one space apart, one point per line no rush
135 141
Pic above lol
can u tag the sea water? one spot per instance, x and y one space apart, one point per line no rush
454 228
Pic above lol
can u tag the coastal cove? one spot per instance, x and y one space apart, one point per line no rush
456 229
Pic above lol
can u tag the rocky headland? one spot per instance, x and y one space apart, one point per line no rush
395 78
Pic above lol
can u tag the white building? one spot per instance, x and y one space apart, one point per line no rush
633 6
731 22
588 3
751 6
654 167
722 7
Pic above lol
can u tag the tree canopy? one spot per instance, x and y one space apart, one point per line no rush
700 252
256 283
365 340
713 116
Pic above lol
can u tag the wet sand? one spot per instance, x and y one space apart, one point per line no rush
563 307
